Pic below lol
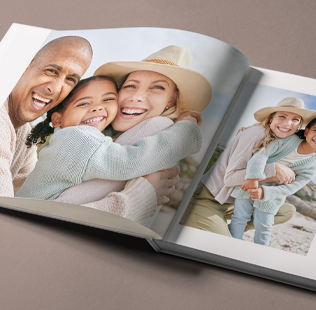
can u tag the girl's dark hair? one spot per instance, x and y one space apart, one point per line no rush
43 129
300 133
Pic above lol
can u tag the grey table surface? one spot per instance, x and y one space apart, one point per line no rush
49 264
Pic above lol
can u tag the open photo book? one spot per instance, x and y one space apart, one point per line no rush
90 118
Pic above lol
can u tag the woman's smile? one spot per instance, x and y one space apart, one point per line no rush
144 94
132 111
284 124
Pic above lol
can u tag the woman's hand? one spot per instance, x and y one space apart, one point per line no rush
256 193
164 182
284 174
250 184
192 116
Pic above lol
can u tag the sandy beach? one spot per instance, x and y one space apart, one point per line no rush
293 236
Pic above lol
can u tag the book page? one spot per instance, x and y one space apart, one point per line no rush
183 71
206 224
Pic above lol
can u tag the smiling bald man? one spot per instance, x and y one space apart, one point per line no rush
49 78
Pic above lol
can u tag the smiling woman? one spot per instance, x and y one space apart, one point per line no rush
161 84
144 94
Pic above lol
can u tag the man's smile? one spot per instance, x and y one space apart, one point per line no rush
39 101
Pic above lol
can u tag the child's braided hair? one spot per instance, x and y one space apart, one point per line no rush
43 129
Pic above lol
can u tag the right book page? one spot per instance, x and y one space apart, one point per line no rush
203 224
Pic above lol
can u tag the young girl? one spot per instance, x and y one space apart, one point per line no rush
293 152
153 92
78 151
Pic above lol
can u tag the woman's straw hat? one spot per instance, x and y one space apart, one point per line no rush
290 104
175 62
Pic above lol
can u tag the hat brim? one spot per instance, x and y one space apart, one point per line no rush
307 115
195 91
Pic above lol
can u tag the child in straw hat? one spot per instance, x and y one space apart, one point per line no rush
295 151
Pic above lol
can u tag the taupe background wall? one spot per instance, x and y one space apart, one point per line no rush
47 264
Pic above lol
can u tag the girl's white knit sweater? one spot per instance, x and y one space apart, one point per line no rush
80 153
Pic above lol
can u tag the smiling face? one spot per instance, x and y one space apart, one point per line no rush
310 135
46 82
93 105
144 94
284 124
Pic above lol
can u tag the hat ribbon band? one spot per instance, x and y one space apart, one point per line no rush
290 106
162 61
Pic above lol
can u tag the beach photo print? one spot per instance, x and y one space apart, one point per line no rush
260 183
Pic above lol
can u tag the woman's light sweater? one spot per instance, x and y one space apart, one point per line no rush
80 153
274 195
230 169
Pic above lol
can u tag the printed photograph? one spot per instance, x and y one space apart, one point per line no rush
98 114
259 185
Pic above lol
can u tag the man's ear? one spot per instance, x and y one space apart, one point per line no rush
56 119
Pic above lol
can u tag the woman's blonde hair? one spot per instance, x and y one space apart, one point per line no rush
175 110
270 136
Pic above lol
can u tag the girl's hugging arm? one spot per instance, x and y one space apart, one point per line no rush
255 170
160 151
241 153
301 179
256 165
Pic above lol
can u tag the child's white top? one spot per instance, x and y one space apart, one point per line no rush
294 157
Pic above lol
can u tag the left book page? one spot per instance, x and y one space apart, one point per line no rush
160 73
